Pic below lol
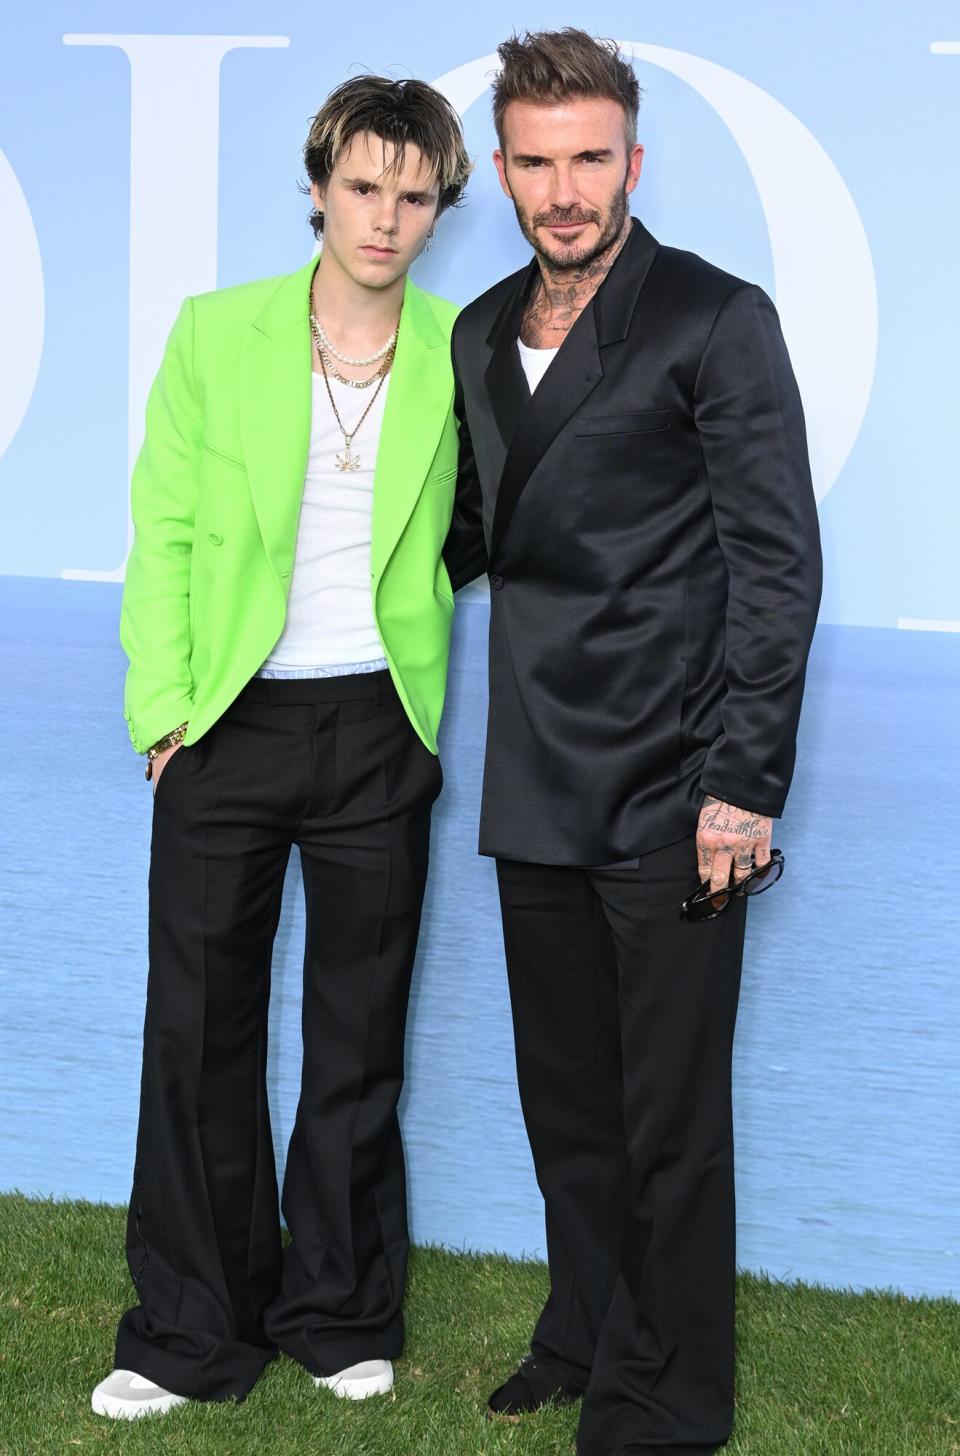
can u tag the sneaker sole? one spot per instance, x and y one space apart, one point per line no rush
117 1409
357 1389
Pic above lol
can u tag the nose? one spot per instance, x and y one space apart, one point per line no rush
387 220
564 191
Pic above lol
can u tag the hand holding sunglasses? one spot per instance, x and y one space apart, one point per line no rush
706 903
730 840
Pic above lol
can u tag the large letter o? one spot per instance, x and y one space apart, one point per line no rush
824 283
21 305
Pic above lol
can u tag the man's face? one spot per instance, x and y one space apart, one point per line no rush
375 221
568 170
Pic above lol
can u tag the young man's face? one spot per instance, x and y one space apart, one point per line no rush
375 221
568 169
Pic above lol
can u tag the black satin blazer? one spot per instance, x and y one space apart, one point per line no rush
650 531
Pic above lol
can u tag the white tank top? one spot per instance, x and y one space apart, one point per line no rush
535 363
330 619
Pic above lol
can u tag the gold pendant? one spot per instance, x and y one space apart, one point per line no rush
348 462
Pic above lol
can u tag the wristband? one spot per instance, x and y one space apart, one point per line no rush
162 744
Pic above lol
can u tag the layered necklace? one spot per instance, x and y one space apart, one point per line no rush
328 354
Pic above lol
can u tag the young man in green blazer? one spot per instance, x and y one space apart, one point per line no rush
287 617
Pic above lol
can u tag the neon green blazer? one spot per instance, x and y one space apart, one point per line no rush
216 497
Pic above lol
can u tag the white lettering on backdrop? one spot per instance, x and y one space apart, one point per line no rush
174 195
823 273
21 305
824 282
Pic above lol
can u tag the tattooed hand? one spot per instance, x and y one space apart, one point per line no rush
728 837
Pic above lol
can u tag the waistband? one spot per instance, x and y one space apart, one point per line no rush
341 669
376 687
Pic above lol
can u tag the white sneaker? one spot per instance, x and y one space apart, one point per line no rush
125 1395
372 1377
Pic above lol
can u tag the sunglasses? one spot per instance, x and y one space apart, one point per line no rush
707 904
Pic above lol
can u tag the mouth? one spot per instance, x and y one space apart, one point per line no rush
564 229
372 251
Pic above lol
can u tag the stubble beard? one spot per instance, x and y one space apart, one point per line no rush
574 260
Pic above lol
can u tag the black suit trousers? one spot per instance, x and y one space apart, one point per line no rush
333 766
624 1020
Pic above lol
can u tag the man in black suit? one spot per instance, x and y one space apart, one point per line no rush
634 478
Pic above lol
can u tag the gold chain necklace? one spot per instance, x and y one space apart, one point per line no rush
327 358
348 461
332 352
342 378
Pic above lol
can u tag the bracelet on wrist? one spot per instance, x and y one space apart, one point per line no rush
169 740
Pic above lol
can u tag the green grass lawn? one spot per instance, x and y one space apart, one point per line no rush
819 1372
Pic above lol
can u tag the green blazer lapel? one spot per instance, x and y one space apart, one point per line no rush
419 395
275 400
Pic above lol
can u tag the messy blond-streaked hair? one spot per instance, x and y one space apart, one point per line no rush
402 113
561 65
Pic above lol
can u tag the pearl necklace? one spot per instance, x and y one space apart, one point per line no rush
328 365
325 346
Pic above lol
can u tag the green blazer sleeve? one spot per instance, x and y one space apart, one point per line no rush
155 613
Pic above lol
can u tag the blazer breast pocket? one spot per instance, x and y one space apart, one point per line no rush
635 423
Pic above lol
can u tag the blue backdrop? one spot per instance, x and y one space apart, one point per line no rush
152 151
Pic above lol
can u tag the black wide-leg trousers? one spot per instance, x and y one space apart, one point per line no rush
624 1019
334 766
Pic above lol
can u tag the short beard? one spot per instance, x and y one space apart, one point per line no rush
574 261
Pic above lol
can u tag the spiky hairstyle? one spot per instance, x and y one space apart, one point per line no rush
558 65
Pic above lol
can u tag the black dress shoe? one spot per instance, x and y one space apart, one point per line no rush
535 1384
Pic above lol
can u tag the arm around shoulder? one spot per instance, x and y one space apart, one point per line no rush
465 550
155 613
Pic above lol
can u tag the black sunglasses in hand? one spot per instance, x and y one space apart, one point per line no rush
707 904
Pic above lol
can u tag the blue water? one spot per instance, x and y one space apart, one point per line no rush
847 1072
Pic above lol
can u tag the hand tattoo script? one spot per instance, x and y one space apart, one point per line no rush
727 834
724 818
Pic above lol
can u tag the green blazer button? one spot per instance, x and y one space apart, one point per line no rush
214 539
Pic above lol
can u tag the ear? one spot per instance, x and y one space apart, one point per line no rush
500 162
318 196
634 166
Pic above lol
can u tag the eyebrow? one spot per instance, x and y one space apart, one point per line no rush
597 152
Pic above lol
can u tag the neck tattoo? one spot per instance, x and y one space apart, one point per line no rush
561 294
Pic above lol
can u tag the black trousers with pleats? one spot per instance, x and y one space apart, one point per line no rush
334 766
624 1020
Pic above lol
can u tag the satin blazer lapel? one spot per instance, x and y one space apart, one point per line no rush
505 380
575 371
574 374
275 401
419 396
